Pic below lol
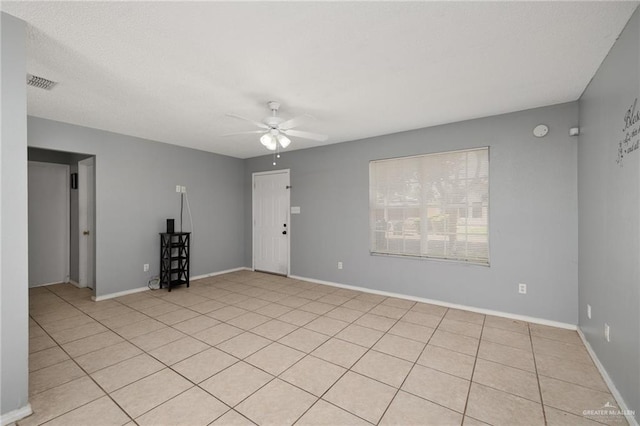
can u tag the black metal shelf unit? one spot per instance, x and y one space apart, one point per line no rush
174 259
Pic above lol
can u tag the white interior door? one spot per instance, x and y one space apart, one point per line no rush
271 222
86 220
48 223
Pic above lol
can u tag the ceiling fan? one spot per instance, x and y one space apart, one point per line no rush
275 129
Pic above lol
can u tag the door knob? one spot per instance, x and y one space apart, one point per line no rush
85 232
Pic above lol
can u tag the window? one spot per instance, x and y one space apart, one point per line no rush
434 206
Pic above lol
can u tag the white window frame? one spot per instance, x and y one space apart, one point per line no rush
385 228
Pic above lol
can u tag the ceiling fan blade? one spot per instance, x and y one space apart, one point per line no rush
306 135
244 133
294 122
257 123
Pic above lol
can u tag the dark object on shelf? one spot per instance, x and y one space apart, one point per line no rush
74 181
174 259
170 226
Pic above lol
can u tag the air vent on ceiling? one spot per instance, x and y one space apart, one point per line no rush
40 82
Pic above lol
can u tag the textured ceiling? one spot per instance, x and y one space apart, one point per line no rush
170 71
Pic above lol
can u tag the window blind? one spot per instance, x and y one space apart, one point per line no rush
434 206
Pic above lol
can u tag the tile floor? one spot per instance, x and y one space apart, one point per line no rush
247 348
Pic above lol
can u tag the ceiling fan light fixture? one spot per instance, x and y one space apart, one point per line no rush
267 139
284 141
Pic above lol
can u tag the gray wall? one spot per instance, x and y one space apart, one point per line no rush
13 221
135 193
609 227
533 215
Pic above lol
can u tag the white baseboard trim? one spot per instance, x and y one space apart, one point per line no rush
446 304
119 293
15 415
213 274
46 284
145 288
607 379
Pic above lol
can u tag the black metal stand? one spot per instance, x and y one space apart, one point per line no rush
174 259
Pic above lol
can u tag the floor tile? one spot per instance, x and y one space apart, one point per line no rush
507 324
274 329
507 379
333 299
304 340
193 407
467 316
388 311
105 357
61 399
243 345
339 352
275 358
155 339
232 418
146 394
237 382
398 303
103 408
359 305
277 403
217 334
40 343
344 314
326 325
359 335
557 417
555 333
318 308
507 338
412 331
400 347
436 386
252 304
122 320
126 372
179 315
227 313
455 342
313 375
583 374
178 350
92 343
461 327
377 322
54 375
361 396
447 361
500 408
298 317
324 414
46 358
572 398
421 318
67 324
206 307
204 364
248 321
542 346
507 355
383 367
130 331
273 310
407 409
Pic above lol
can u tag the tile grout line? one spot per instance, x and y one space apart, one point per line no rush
473 370
535 366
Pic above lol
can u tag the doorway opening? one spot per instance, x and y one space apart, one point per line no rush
61 194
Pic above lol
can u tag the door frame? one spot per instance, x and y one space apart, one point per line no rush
253 215
83 189
67 203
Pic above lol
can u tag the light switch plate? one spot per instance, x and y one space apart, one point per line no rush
295 210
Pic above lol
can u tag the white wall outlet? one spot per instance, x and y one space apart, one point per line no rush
522 288
145 267
178 188
339 265
184 189
588 311
607 332
295 210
